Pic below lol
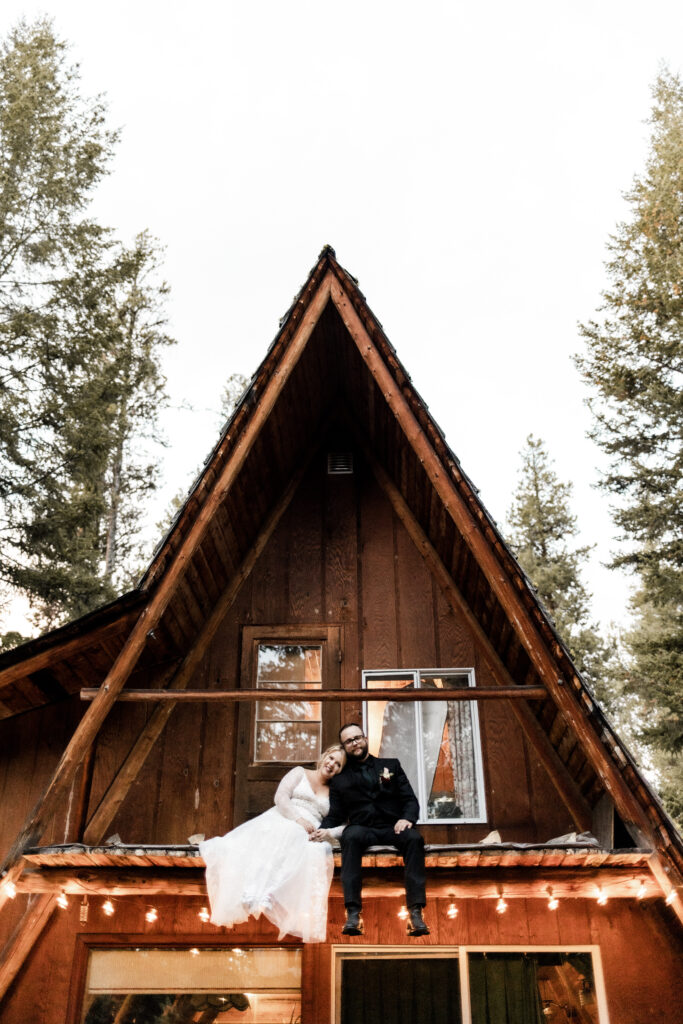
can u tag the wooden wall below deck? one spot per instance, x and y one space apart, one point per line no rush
641 950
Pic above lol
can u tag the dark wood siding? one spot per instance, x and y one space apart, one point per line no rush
339 557
642 958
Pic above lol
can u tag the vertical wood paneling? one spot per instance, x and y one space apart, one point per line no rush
305 568
379 626
416 611
269 579
509 809
177 799
642 958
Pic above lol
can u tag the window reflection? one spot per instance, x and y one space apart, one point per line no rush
208 986
288 731
436 742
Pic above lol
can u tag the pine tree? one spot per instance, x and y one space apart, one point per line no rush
77 541
233 389
81 331
541 529
633 365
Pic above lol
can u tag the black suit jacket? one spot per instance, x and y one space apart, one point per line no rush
382 803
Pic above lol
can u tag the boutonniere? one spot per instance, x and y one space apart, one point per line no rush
386 775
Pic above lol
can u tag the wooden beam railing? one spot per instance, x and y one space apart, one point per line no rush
223 696
466 883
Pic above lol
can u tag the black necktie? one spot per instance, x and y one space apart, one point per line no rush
368 775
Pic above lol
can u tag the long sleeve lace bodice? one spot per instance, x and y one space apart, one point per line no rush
295 798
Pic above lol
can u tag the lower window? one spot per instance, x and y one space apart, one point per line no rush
535 988
180 986
461 985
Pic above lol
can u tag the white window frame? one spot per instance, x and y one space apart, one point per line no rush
598 977
422 795
461 953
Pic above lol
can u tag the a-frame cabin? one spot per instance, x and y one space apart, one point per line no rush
334 531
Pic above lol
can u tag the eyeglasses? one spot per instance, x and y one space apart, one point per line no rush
353 740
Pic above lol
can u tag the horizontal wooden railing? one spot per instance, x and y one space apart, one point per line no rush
466 693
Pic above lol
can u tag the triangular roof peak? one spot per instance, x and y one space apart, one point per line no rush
331 360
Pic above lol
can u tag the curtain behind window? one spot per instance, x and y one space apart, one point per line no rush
402 991
504 989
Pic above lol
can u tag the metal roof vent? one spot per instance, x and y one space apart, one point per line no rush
339 463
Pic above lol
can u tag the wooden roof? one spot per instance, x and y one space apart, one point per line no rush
331 375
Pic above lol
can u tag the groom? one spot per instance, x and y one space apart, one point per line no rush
374 796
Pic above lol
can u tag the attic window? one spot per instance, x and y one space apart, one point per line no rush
339 463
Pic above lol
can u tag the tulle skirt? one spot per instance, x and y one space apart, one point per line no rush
268 866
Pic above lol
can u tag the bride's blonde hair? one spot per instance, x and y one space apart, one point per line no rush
331 750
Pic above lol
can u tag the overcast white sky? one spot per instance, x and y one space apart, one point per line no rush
467 162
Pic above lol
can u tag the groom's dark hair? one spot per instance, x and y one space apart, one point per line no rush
349 725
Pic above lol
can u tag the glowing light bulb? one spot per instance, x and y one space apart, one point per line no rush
670 898
403 913
501 905
194 951
553 902
601 897
151 915
10 889
204 914
452 911
108 908
62 901
642 891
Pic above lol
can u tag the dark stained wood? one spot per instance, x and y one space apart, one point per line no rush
24 937
462 883
487 693
304 568
85 785
62 649
546 753
415 607
153 729
380 630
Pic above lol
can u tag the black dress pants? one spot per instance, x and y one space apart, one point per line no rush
355 840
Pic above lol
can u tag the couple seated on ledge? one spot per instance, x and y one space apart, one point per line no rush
280 864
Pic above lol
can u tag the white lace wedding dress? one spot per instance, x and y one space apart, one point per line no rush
269 866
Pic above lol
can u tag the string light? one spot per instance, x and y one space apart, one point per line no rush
194 951
403 913
553 902
9 888
108 908
670 898
501 905
151 915
452 911
62 901
204 914
642 890
601 897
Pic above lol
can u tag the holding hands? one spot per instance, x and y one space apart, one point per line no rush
321 835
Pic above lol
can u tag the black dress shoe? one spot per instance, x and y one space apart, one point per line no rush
354 922
416 924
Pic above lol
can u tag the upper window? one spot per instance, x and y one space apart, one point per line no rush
436 741
288 730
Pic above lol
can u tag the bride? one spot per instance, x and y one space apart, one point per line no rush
269 866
